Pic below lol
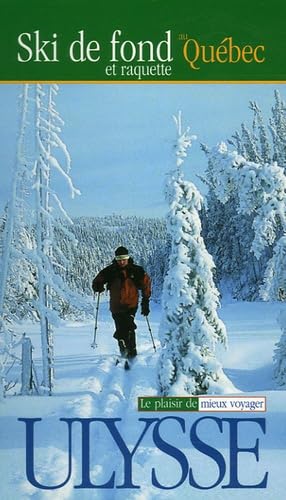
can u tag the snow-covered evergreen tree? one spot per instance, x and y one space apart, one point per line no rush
279 356
256 145
228 236
278 129
190 327
262 139
249 141
274 286
261 191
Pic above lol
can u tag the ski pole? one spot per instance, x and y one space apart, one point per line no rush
94 344
150 331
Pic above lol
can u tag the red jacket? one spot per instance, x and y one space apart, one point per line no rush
124 285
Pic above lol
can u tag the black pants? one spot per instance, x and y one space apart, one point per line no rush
125 332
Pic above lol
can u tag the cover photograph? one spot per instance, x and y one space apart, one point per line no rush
142 248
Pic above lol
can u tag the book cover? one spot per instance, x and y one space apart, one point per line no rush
142 292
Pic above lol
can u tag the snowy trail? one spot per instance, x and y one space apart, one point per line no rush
119 397
106 384
108 389
114 387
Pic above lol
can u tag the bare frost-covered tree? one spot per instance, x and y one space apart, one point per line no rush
31 258
190 327
48 256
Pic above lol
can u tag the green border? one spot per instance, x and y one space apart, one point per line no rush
207 23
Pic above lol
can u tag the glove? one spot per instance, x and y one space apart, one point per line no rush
145 309
97 287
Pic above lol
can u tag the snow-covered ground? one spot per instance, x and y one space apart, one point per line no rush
89 385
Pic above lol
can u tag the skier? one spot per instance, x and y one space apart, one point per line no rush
124 279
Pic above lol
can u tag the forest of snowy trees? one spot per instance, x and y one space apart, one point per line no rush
49 260
228 230
233 221
97 238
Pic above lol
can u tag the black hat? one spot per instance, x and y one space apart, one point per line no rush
121 253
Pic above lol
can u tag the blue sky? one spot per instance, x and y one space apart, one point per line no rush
120 138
